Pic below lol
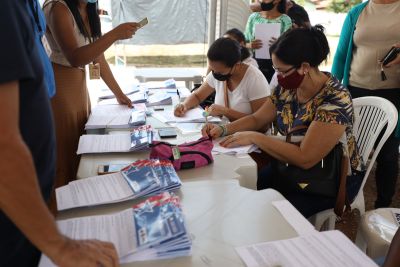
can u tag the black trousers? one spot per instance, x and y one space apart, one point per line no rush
265 66
387 169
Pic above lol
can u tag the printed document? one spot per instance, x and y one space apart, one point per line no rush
321 249
264 32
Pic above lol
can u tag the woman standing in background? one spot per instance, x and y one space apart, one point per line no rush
369 31
75 39
272 12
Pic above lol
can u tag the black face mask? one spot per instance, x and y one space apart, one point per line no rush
222 77
267 6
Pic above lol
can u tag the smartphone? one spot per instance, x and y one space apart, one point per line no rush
143 22
391 55
167 132
111 168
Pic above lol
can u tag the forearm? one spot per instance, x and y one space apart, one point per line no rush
192 101
21 200
234 115
88 53
247 123
108 77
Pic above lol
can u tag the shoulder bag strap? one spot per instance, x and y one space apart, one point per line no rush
342 199
293 130
226 99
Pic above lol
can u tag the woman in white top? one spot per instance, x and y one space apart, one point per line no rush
240 89
74 36
238 36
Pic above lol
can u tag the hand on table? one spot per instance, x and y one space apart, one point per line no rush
180 110
76 253
124 100
212 130
238 139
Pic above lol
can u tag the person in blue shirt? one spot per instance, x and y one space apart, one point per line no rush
39 25
27 155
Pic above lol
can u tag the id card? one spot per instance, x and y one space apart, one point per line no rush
94 71
176 153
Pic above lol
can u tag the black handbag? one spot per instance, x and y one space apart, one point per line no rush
327 178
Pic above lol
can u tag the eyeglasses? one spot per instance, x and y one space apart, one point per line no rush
283 73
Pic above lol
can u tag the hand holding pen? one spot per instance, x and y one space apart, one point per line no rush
180 108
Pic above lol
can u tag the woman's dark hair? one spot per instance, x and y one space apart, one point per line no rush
299 16
225 50
239 36
93 16
302 45
282 7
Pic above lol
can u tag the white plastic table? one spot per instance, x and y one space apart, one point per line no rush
220 216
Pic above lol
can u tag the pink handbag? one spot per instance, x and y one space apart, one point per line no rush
185 156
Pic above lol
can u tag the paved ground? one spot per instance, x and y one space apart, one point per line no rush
349 223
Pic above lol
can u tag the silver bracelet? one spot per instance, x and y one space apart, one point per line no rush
224 130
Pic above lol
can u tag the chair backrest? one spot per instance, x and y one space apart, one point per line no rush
372 114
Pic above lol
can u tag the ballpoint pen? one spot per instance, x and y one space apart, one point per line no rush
179 95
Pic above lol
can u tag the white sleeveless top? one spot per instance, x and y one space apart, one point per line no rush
56 54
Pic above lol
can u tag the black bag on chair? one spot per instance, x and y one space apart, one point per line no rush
327 178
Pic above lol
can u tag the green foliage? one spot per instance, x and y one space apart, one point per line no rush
342 6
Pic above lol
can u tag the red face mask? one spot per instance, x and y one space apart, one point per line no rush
292 81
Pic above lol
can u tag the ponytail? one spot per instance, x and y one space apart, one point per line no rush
245 53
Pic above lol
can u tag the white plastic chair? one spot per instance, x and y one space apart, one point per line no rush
372 114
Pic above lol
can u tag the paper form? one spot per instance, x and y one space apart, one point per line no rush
93 143
321 249
264 32
188 128
93 191
300 224
118 228
240 150
192 115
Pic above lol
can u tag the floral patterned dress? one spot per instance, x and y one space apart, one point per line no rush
332 104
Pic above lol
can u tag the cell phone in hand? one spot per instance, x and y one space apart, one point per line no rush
143 22
390 56
111 168
167 132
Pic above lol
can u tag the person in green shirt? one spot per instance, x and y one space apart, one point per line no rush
272 12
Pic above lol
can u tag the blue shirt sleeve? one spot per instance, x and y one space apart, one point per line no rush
40 29
18 44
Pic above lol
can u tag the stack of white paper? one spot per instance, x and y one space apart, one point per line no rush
167 84
104 143
137 97
189 128
323 249
143 177
139 139
154 229
240 150
158 99
116 116
126 89
192 115
109 116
